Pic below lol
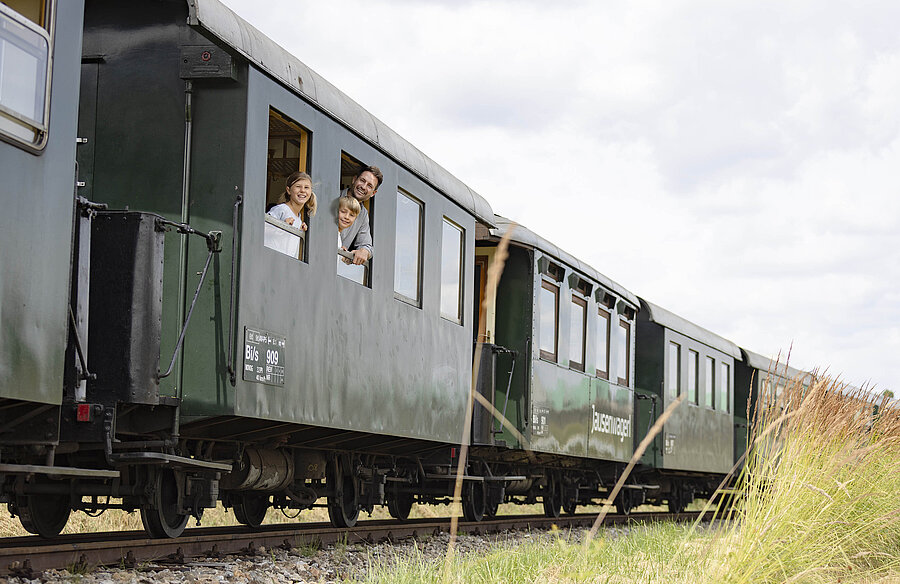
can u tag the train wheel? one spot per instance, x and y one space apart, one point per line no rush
474 502
343 505
569 506
45 515
250 509
161 518
399 505
623 502
552 499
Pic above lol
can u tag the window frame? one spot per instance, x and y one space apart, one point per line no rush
709 386
677 376
461 273
626 381
417 302
578 300
303 136
17 120
546 355
604 317
693 387
724 387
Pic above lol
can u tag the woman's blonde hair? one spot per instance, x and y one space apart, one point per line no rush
289 182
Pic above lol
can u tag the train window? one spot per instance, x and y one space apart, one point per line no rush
24 72
603 344
549 321
673 382
577 327
350 169
724 382
624 352
693 369
452 242
288 154
709 382
408 252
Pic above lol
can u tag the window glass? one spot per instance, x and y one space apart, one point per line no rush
408 254
577 316
673 376
624 341
24 67
452 242
548 322
709 382
693 370
724 382
602 344
288 149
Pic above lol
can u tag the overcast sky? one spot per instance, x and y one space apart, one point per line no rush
734 162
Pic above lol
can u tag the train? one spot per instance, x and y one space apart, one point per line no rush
162 356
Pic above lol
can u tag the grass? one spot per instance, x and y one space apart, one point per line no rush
819 502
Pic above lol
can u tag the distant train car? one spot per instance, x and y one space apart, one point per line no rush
559 363
756 375
678 358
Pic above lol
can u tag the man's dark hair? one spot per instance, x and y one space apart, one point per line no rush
375 171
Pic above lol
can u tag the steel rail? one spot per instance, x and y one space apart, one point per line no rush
30 555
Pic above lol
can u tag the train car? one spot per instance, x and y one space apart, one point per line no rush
676 358
40 45
756 375
558 348
218 366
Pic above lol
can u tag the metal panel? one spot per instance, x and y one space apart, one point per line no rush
561 409
36 235
611 433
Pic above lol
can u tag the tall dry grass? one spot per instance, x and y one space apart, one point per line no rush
820 497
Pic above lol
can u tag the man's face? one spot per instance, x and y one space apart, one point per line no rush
364 186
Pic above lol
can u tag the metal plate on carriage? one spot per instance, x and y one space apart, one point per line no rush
264 353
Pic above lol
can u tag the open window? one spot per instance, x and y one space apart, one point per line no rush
350 169
452 243
25 49
288 153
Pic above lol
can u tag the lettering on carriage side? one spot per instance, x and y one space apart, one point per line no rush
264 356
540 422
670 444
607 424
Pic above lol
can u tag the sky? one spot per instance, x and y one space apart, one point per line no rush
737 163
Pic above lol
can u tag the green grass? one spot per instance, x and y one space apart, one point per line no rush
819 503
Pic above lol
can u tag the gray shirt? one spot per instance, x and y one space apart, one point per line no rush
358 235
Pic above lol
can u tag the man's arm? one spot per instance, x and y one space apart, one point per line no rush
361 246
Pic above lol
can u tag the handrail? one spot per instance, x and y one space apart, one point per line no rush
349 256
285 227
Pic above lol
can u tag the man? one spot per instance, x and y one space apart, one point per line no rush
358 237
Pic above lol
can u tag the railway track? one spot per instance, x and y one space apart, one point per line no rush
27 556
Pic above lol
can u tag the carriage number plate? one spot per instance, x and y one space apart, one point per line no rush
264 356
